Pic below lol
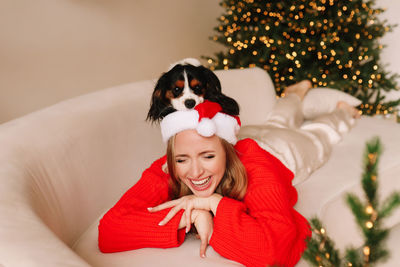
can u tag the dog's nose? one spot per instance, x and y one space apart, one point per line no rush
189 103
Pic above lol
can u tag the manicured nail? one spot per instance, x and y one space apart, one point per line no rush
161 223
149 209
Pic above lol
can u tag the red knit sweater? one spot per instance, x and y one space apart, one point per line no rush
263 229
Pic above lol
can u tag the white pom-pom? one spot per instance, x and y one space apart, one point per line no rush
206 127
227 127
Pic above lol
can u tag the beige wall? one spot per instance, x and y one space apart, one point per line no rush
53 50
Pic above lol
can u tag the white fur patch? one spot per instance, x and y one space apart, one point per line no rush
189 60
179 103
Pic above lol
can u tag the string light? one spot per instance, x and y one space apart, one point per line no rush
245 27
369 210
366 251
371 156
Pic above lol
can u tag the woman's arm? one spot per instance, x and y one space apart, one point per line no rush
129 225
264 229
259 238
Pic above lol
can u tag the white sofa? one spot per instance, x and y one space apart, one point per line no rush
62 167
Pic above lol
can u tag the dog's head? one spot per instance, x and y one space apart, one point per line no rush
183 87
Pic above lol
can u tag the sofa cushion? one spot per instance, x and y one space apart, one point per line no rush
323 100
252 89
188 254
322 194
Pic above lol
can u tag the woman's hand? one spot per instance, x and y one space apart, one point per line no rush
204 224
188 203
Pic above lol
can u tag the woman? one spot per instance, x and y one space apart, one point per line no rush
237 195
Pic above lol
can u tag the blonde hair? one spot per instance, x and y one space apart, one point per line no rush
233 183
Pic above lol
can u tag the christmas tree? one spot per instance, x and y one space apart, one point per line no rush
330 42
369 215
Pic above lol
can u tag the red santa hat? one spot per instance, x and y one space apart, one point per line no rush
206 118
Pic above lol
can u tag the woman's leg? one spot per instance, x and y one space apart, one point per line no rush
332 126
301 147
287 112
281 135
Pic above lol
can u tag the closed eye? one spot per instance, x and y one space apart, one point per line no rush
179 160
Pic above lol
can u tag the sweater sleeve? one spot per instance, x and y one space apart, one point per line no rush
264 229
129 225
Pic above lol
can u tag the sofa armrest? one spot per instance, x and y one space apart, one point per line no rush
61 167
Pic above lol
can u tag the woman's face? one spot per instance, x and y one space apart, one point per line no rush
200 161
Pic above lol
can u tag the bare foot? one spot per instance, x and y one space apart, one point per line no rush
349 109
300 88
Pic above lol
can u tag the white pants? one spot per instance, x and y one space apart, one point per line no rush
302 146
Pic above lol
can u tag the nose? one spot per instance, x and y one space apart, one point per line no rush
189 103
196 170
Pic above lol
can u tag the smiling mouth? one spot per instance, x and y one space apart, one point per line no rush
202 184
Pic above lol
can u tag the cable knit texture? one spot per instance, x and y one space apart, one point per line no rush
262 230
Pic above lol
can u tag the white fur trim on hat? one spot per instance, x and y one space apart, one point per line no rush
222 125
178 121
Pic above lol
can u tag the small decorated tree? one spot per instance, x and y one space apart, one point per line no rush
369 215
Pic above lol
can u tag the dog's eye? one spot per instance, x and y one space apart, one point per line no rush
176 91
197 89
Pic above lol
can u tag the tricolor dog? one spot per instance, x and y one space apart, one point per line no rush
185 85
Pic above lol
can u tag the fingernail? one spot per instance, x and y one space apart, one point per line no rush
187 230
161 223
203 255
149 209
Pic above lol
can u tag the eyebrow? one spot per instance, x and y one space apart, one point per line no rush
194 82
180 83
201 153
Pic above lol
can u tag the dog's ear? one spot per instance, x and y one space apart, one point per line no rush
228 104
214 93
158 106
213 83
